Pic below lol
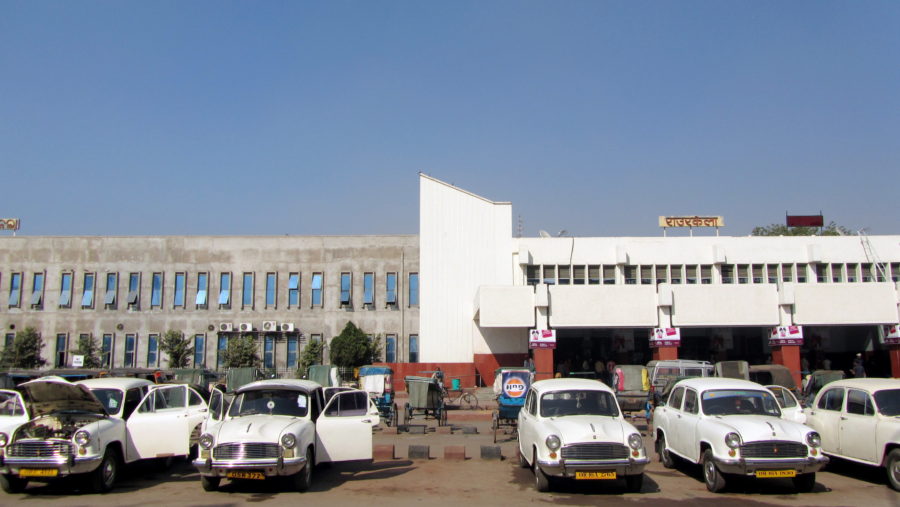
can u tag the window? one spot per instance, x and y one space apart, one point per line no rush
772 273
87 295
247 291
690 402
837 273
317 289
15 290
833 399
202 290
757 273
609 275
820 272
413 289
61 347
391 289
271 284
199 350
156 290
369 288
743 273
130 346
661 275
801 273
787 272
106 348
895 271
851 273
294 290
220 351
677 273
646 275
690 276
37 290
866 272
578 275
390 349
549 275
706 274
413 348
225 290
630 275
675 398
594 275
269 352
112 289
565 276
153 351
134 290
727 274
531 275
9 341
292 352
346 285
65 291
348 404
178 301
858 402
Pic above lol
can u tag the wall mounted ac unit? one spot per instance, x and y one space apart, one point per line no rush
246 327
270 325
226 327
287 327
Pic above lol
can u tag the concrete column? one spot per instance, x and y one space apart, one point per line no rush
543 364
894 354
665 353
789 356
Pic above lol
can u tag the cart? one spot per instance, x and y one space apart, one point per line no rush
510 385
426 397
378 382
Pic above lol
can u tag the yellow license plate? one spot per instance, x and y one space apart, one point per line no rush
246 475
769 474
38 472
595 475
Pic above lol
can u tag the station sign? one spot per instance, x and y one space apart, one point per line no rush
786 335
665 337
892 334
542 339
691 221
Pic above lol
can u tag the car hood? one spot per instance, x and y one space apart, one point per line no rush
45 396
754 428
254 428
587 428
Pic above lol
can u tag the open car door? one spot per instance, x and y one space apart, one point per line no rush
12 412
344 430
159 428
217 407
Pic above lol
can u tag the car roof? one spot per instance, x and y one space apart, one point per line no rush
558 384
114 383
704 383
295 384
866 384
680 362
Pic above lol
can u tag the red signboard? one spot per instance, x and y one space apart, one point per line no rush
805 221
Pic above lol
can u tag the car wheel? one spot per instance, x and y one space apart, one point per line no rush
12 484
104 476
303 478
634 483
804 483
714 479
210 483
893 468
541 481
665 457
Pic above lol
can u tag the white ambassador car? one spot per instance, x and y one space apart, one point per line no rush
734 427
859 420
72 433
282 427
573 428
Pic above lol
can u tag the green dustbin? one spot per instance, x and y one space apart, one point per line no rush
454 384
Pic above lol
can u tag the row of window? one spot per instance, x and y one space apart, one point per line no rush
200 292
708 273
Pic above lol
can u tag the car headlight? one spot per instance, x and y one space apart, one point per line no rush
4 439
82 437
552 442
733 440
288 440
813 439
635 441
206 441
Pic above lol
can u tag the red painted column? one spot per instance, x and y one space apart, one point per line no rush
543 364
894 354
789 356
665 353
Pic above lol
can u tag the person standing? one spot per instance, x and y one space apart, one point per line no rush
859 370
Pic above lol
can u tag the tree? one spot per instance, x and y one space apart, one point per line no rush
25 351
832 229
352 348
87 347
312 354
178 347
241 352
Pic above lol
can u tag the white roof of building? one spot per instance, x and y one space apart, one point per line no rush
562 384
123 383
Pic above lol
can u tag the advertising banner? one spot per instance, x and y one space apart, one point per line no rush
786 335
892 335
665 337
515 383
542 339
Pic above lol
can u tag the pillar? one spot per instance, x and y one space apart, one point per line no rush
543 364
789 356
665 353
894 355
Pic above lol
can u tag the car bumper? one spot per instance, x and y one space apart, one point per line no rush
269 467
64 466
567 468
751 466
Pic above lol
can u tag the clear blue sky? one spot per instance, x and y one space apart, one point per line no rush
188 117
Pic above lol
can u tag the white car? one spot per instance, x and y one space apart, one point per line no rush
282 428
788 403
72 433
573 428
859 420
12 412
734 427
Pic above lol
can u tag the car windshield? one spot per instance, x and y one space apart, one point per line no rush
739 402
888 401
587 402
270 402
10 406
110 398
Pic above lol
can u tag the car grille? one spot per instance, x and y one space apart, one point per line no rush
595 451
246 451
39 449
773 449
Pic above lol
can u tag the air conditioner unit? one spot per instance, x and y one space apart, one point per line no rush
287 327
246 326
270 325
226 327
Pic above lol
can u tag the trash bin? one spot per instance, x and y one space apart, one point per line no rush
454 384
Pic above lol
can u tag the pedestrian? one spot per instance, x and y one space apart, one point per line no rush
529 362
859 370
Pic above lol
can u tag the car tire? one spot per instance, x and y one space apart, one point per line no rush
103 478
634 483
892 465
210 483
665 457
303 478
804 483
541 481
11 484
715 481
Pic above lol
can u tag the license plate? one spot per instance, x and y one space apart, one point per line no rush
259 476
769 474
38 472
595 475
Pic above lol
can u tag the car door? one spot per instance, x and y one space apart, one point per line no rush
197 408
525 425
686 429
344 429
159 427
12 411
216 411
825 417
858 427
673 420
790 407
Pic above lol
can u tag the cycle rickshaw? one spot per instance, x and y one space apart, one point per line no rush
510 385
